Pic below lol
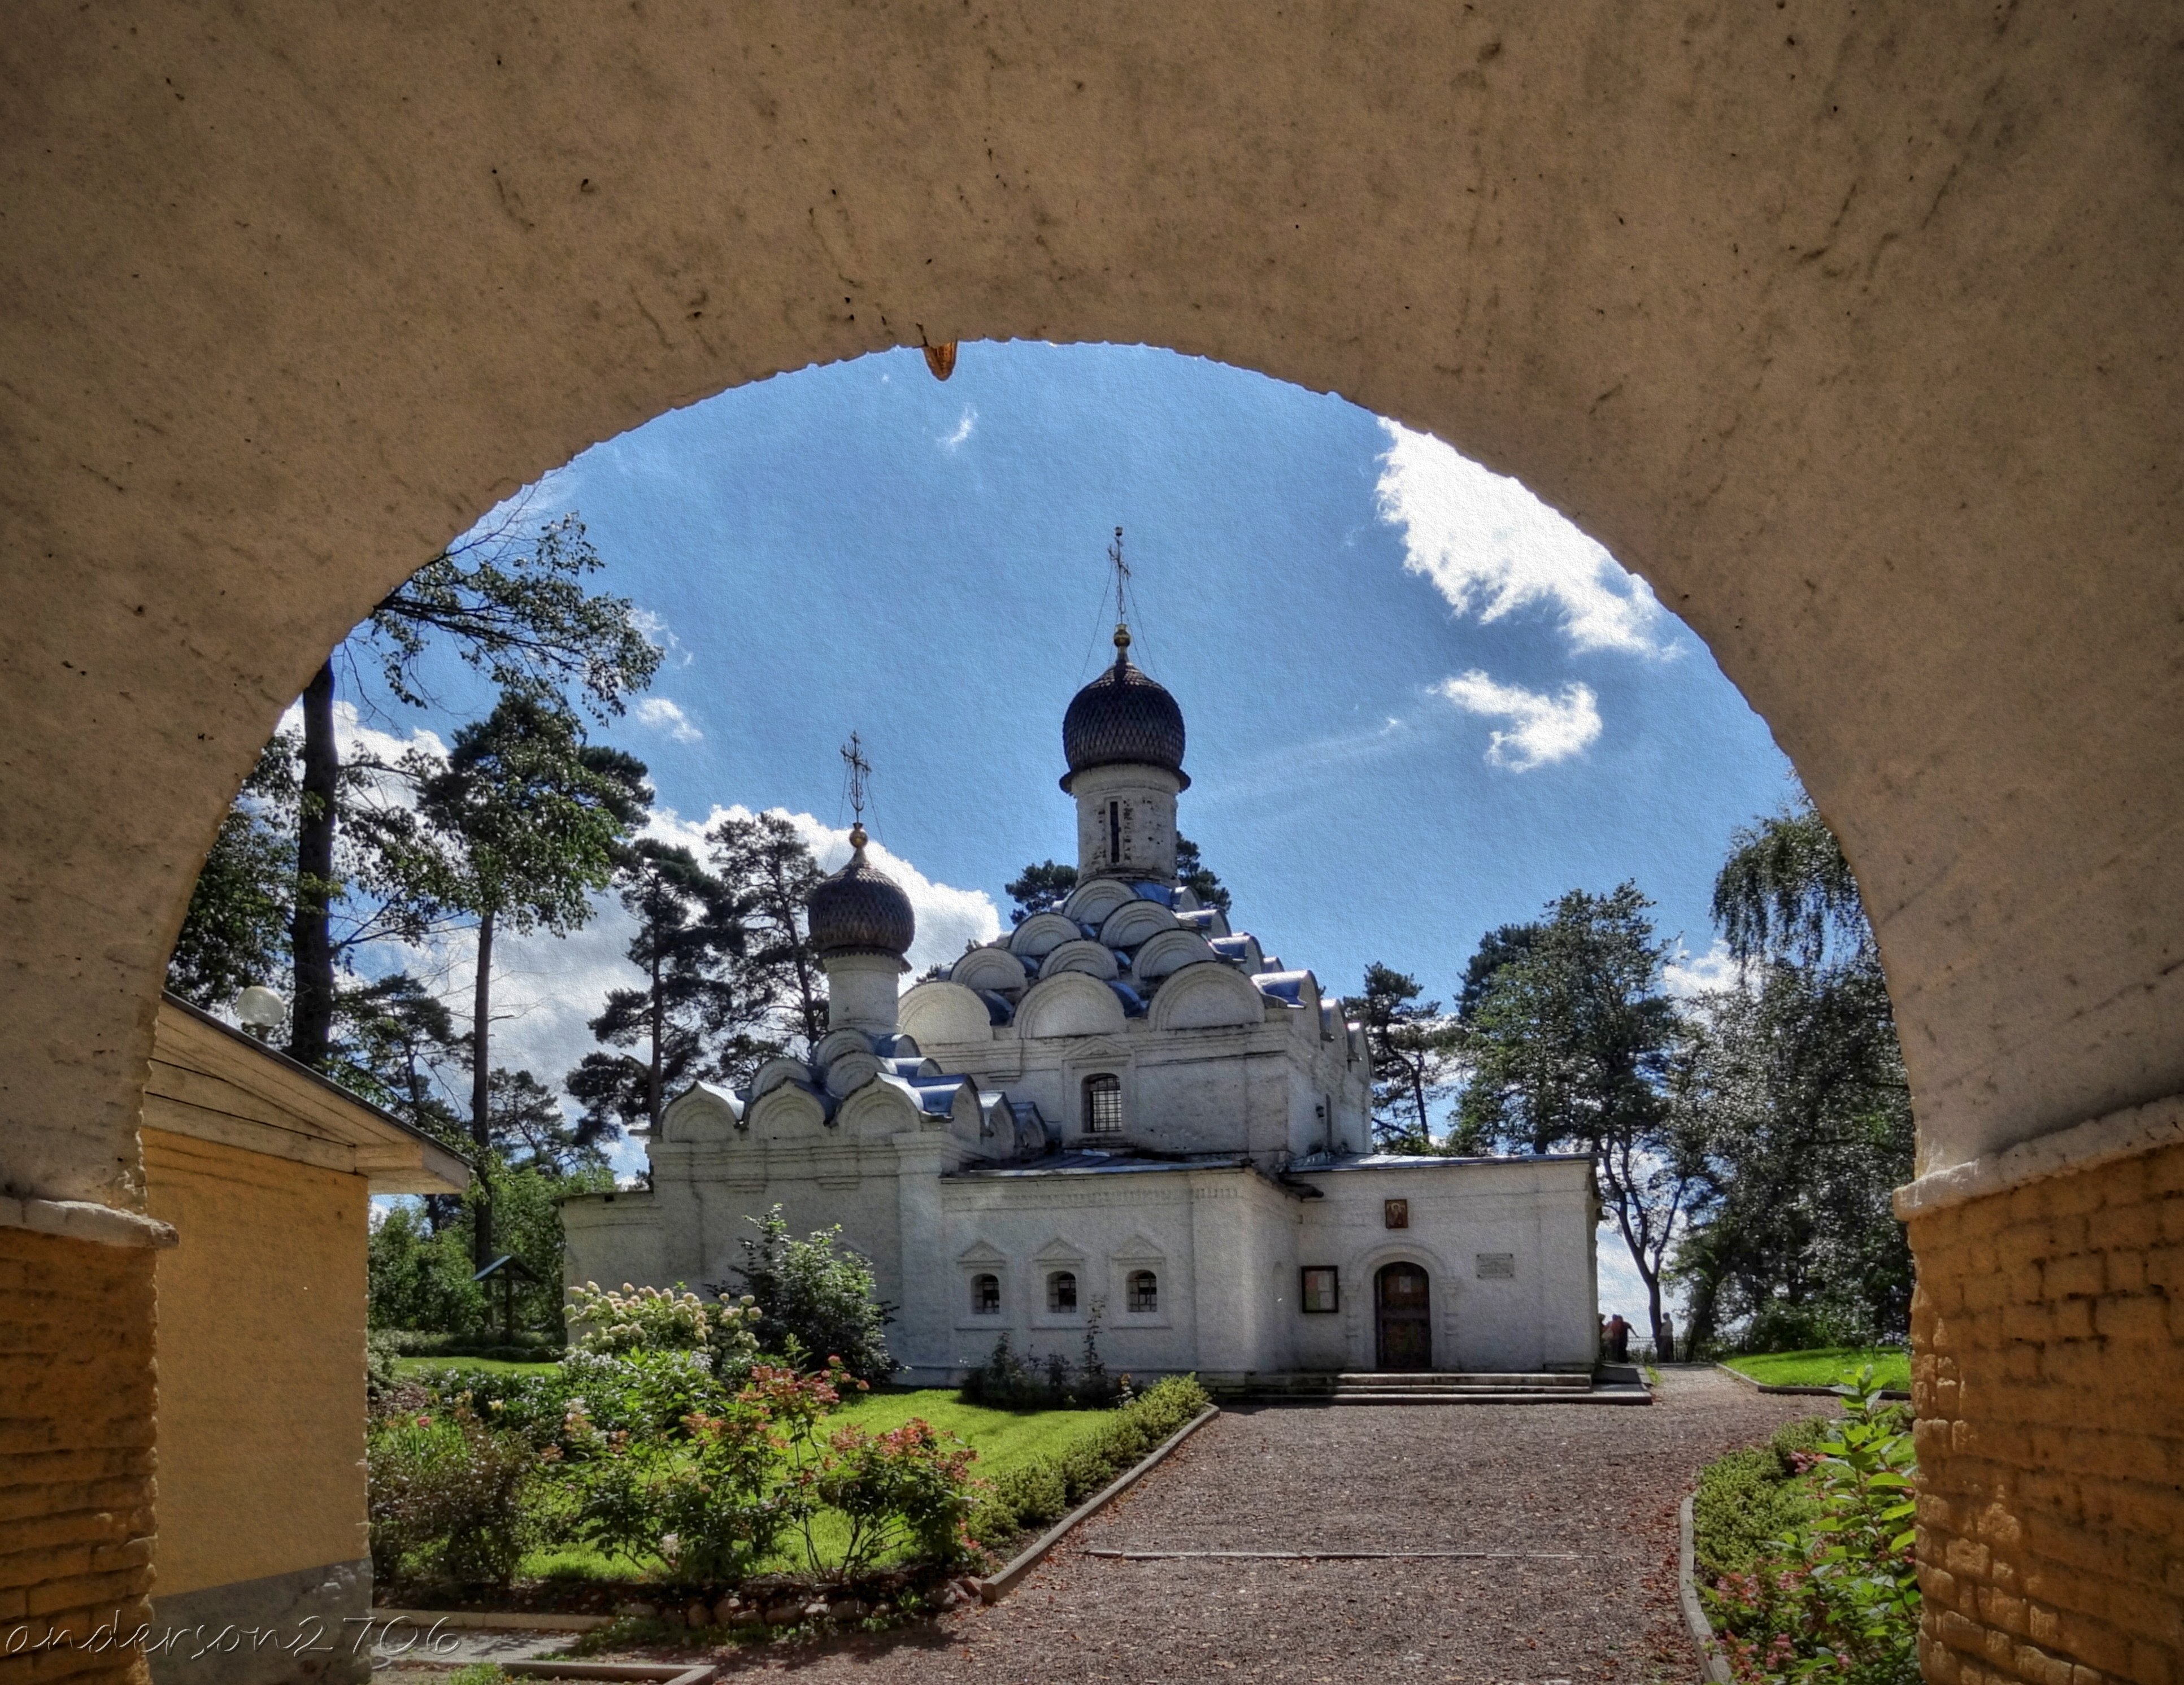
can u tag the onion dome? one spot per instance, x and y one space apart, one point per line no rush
1123 718
861 910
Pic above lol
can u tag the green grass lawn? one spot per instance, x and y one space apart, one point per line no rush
1002 1439
422 1366
1828 1367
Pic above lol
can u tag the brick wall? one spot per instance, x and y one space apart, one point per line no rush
2048 1374
76 1453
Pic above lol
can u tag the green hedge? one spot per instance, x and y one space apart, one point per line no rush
1044 1489
1751 1498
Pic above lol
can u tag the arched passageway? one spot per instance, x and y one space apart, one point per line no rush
1852 329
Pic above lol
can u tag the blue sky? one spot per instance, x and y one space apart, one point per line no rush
1419 704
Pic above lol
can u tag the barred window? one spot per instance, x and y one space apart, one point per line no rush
986 1295
1061 1291
1142 1292
1103 1105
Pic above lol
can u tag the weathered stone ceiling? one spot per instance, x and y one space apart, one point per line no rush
1853 327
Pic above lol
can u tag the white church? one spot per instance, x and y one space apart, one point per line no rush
1123 1108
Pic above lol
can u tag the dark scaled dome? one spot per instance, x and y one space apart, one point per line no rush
861 910
1122 717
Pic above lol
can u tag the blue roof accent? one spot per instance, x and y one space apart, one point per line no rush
937 1095
1199 917
1101 1163
1288 986
998 1009
893 1047
1162 893
904 1068
1134 1003
1231 947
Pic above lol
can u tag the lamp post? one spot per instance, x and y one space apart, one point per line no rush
260 1010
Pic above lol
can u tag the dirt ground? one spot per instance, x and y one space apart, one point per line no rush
1594 1491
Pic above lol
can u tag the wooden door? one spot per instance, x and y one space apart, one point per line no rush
1403 1298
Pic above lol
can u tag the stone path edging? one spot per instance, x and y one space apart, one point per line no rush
1000 1584
1713 1666
1758 1386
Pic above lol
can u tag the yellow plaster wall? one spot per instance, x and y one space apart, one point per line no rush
2047 1373
261 1364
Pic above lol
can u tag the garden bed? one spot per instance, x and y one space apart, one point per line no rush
1802 1558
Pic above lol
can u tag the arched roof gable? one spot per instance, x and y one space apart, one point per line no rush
939 1012
1207 996
1070 1004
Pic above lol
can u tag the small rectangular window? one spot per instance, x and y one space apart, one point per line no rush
1103 1105
1321 1291
1498 1266
986 1295
1061 1291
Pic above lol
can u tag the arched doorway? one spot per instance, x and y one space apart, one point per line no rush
1402 1309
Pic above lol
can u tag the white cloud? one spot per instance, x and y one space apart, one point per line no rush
661 636
1489 547
964 427
1688 974
656 711
947 917
1543 728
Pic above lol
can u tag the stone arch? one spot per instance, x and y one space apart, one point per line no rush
1069 1003
790 1112
1170 952
1092 959
1091 902
990 968
1136 921
1205 995
1040 934
1869 370
702 1112
940 1012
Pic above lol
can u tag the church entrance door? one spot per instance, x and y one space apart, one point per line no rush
1404 1299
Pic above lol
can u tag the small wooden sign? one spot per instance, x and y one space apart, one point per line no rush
1397 1213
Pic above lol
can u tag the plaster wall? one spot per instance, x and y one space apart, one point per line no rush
261 1364
1146 822
1539 1216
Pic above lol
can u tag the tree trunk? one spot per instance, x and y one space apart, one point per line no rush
311 1020
482 1093
652 1076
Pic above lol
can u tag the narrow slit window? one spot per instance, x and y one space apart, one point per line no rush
1114 832
1103 1105
986 1295
1143 1294
1061 1291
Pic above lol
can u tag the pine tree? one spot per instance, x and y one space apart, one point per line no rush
514 832
1415 1054
521 617
703 1008
769 871
1041 889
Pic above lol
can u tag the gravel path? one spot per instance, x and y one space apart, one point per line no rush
1602 1484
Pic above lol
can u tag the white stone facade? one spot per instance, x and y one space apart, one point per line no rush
1123 1108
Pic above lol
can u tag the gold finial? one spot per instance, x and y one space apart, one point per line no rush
857 837
1121 637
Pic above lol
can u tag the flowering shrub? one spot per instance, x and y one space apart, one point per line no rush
907 1488
663 1320
739 1482
446 1498
1836 1598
